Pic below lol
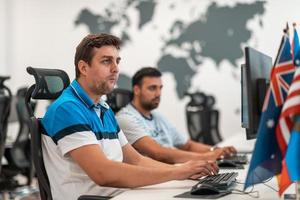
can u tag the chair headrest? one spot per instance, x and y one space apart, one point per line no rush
2 79
49 83
119 98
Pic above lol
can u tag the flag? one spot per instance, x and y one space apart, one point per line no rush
291 113
290 108
266 159
293 153
296 48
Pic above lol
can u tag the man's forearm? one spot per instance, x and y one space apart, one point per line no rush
173 156
149 162
192 146
147 146
130 176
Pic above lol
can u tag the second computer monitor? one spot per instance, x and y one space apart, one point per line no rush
255 81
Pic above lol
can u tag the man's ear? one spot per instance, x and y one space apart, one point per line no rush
136 90
82 66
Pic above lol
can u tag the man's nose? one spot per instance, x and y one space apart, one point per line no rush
158 92
115 67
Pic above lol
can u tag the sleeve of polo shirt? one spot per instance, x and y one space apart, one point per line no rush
132 127
71 128
122 139
179 139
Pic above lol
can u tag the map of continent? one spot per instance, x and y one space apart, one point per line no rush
217 35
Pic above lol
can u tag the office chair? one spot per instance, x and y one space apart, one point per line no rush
215 136
5 101
6 183
49 84
18 156
202 119
118 98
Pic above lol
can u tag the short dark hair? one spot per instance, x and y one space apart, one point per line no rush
85 49
144 72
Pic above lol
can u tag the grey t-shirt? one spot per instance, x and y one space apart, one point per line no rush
136 126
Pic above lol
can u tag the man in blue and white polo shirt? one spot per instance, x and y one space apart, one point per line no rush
84 150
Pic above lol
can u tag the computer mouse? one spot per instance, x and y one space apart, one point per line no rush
227 164
204 189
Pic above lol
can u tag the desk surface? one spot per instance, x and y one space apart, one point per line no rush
168 190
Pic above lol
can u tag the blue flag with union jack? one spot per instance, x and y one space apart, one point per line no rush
267 157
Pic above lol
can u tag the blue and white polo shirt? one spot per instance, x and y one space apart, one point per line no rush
71 122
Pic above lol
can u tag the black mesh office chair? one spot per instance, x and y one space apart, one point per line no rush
49 84
18 156
215 136
203 119
5 101
118 98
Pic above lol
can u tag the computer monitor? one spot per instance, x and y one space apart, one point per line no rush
255 74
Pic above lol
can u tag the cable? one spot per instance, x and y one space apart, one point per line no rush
265 181
270 187
251 193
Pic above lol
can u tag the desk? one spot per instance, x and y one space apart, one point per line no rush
239 141
167 191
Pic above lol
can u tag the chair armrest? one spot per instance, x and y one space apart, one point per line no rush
93 197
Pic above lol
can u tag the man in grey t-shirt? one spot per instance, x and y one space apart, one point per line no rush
150 133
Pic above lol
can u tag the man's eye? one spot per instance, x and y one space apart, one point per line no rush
105 61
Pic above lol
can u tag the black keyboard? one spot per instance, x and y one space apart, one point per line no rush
220 181
238 159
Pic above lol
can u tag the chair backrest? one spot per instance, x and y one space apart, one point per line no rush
203 119
19 155
118 98
5 101
49 84
20 149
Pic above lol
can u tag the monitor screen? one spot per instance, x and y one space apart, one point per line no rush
255 75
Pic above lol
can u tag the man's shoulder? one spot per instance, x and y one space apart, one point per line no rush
63 106
68 100
128 110
156 114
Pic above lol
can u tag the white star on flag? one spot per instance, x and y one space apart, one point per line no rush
270 123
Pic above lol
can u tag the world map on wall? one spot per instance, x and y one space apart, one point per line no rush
218 35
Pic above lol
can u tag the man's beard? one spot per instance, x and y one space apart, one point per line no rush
103 88
153 104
